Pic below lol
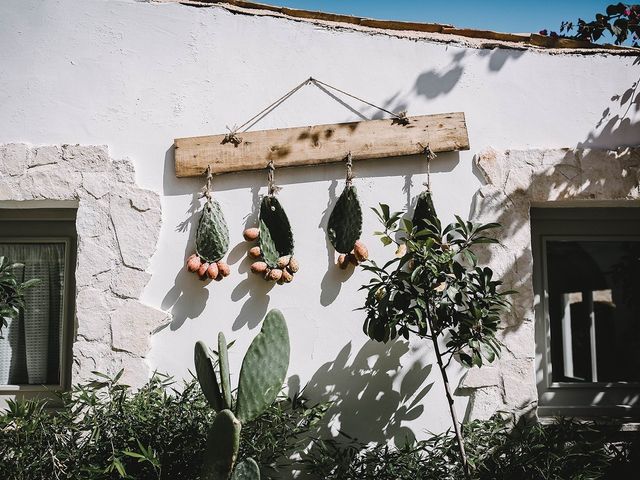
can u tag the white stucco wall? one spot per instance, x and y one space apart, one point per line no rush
134 76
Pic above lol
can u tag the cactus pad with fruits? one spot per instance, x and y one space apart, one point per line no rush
425 212
345 222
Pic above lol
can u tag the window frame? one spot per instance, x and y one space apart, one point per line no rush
605 223
59 224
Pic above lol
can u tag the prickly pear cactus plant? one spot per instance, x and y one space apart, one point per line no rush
345 227
262 374
273 254
212 242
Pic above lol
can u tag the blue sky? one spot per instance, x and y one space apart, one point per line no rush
515 16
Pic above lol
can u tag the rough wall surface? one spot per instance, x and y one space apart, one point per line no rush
516 179
118 224
135 75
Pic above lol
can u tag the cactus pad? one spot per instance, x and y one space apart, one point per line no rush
207 376
264 368
225 378
223 442
425 212
212 236
276 238
246 470
345 222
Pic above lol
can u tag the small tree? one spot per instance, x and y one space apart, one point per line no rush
435 290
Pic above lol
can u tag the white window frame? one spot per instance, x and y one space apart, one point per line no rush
592 399
49 216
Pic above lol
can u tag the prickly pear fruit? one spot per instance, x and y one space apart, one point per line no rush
351 258
212 236
223 442
202 271
212 271
207 376
293 266
360 251
345 222
251 234
193 264
264 368
286 276
259 267
343 261
246 470
283 262
275 274
255 252
224 269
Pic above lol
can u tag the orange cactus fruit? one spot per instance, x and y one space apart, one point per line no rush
360 251
293 266
343 261
258 267
223 268
283 262
193 263
251 234
286 276
212 271
275 274
352 259
255 252
202 271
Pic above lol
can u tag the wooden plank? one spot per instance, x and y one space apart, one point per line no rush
488 34
321 144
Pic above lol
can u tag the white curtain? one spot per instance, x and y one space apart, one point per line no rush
30 349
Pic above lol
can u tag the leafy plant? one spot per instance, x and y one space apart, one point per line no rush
565 450
11 291
105 430
620 20
435 290
261 377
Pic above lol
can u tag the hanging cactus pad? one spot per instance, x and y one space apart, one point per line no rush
425 212
212 237
345 222
276 238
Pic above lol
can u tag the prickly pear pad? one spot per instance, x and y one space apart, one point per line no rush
276 238
223 442
345 222
264 368
212 236
207 376
425 212
246 470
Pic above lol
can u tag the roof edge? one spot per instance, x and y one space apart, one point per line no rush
433 31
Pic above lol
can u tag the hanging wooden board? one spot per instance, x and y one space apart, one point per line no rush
318 144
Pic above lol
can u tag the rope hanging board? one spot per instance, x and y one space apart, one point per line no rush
290 147
315 145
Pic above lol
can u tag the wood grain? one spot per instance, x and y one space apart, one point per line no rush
319 144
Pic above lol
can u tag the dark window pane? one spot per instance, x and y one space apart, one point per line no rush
594 310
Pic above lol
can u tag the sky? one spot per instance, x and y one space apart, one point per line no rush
514 16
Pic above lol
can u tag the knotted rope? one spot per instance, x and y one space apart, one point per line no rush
349 161
208 189
271 182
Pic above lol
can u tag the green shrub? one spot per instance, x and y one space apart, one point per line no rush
103 430
563 451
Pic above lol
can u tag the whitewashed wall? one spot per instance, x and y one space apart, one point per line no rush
133 76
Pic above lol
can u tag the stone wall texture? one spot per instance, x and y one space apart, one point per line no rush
118 225
514 181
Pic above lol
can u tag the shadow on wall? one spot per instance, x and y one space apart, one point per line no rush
619 129
364 404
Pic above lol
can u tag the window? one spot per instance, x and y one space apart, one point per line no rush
35 347
587 285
